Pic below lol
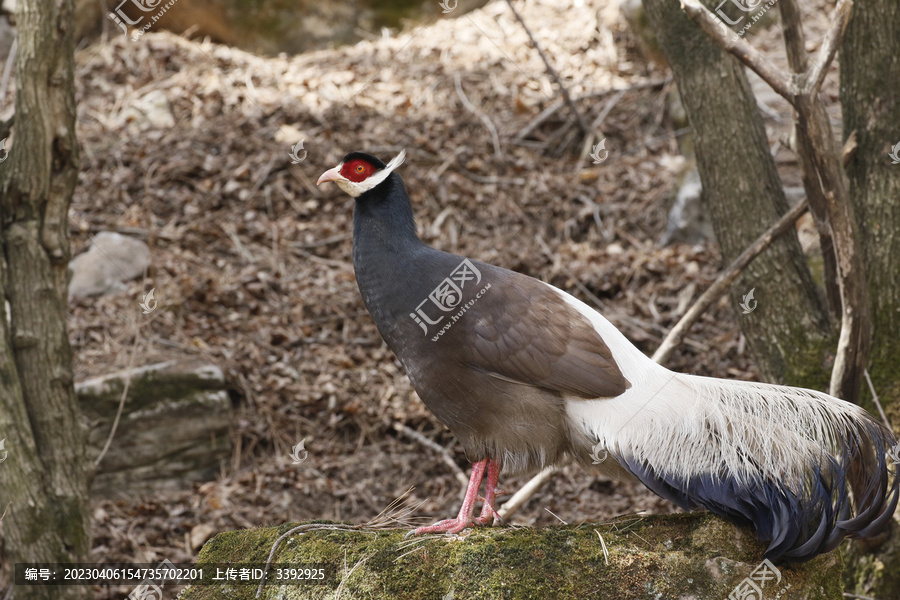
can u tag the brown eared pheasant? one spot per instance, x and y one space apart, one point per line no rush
524 374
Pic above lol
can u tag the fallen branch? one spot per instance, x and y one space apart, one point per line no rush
441 451
554 108
511 506
298 529
812 80
877 401
725 278
474 110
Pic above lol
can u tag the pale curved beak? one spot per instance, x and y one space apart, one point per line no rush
330 175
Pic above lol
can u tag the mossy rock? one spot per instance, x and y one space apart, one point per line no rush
688 556
175 426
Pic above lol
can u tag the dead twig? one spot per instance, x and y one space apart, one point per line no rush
323 242
554 108
876 400
605 550
298 529
359 563
124 396
713 292
440 450
565 92
511 506
474 110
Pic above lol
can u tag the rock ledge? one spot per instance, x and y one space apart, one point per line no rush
684 557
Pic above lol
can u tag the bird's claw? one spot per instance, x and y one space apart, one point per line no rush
446 526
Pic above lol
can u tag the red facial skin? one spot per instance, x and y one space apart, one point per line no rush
357 170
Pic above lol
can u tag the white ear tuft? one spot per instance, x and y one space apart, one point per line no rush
396 161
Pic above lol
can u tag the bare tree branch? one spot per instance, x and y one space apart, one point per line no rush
744 52
794 40
839 19
725 278
823 177
795 45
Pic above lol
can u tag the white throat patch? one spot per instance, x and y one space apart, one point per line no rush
357 189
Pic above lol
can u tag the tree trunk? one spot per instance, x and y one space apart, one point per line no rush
43 480
870 74
789 332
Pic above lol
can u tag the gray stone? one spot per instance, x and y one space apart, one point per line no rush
111 260
688 223
174 428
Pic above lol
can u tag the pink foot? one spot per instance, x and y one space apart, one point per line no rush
446 526
465 518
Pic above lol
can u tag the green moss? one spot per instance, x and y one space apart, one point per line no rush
147 391
660 557
873 571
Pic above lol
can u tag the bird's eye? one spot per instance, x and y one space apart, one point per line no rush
360 168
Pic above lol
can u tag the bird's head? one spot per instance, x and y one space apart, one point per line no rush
360 172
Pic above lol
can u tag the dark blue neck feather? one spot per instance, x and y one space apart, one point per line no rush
384 246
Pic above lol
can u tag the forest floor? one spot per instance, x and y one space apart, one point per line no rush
252 262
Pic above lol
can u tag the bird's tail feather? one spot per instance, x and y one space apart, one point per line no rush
803 468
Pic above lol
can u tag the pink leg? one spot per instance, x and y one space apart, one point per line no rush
488 513
464 519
